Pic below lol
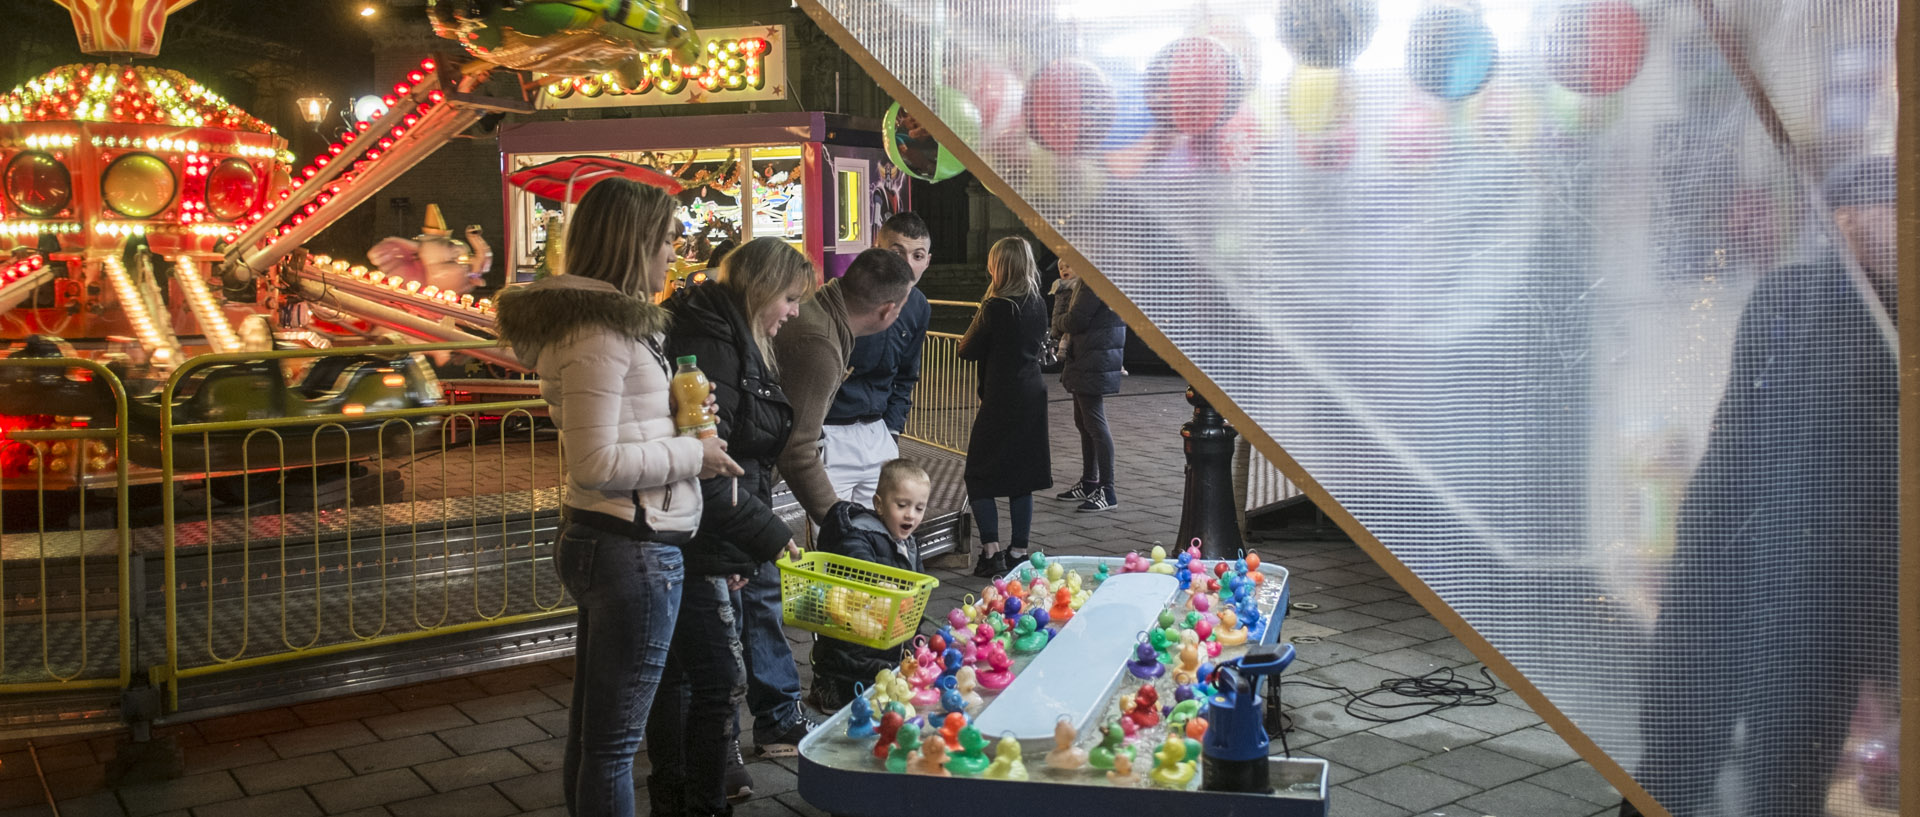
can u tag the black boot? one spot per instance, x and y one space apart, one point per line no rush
991 566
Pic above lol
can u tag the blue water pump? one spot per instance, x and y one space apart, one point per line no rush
1234 754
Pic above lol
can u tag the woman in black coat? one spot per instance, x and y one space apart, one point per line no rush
726 327
1007 453
1093 344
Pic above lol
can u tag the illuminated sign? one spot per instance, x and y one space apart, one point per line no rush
742 64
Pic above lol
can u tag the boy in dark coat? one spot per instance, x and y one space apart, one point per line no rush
884 536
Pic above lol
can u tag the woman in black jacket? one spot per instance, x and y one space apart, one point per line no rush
1007 453
726 327
1093 346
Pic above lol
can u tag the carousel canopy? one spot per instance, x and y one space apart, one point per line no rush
131 95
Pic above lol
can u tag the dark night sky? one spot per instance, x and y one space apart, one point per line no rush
259 54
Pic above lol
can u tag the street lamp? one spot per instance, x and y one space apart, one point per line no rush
314 109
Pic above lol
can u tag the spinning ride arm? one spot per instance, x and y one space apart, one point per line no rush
423 116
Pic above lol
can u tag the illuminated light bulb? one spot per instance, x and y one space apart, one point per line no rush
430 291
393 381
413 286
466 301
353 409
427 64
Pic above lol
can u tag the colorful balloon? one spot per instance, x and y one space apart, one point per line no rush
1194 84
1069 106
1596 46
1327 33
914 150
1451 52
1318 99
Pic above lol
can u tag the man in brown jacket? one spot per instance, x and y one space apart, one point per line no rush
813 351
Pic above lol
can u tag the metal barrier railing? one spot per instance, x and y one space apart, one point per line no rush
947 397
68 622
322 552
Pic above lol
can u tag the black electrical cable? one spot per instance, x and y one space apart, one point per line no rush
1435 691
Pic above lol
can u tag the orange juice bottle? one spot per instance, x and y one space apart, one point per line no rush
690 390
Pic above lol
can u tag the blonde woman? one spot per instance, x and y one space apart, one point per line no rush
1007 455
728 327
632 500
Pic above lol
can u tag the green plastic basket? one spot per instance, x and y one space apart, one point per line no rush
853 600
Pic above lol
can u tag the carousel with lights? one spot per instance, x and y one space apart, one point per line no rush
123 191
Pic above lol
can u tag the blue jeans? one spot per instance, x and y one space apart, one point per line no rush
628 593
773 680
691 733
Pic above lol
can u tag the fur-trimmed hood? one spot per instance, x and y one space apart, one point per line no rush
552 310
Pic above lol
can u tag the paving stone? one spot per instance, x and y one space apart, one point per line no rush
251 724
95 804
1497 719
1305 593
352 708
213 757
561 811
800 806
1412 788
1392 610
772 779
418 721
1425 628
1375 639
290 803
553 723
320 738
1368 752
1449 650
767 807
64 756
375 789
75 782
1327 653
467 740
561 693
1358 676
181 793
534 791
479 801
421 696
1431 734
1580 780
1534 746
1329 719
1345 620
22 791
1407 662
531 676
1480 767
495 707
1521 797
467 771
291 773
1336 577
393 754
1345 802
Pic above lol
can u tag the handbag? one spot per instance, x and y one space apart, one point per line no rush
1050 355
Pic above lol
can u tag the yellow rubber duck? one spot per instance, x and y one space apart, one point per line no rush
1174 769
1122 772
1006 763
1160 563
882 689
1230 633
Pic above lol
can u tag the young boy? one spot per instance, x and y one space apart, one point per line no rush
883 535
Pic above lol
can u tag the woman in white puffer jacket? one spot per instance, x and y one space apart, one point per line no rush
632 498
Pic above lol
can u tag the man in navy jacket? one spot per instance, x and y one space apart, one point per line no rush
870 410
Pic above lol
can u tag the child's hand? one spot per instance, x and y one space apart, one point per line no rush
734 583
793 551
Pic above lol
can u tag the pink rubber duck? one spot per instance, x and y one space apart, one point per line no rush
968 652
982 636
999 672
1134 563
958 619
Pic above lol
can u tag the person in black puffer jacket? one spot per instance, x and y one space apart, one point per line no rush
883 536
725 327
1092 348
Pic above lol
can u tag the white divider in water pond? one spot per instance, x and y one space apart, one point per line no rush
1076 674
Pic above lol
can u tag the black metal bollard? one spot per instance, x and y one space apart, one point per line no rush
1207 511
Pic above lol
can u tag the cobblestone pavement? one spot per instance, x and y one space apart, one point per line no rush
490 744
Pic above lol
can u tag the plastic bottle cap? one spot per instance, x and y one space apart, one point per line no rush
687 360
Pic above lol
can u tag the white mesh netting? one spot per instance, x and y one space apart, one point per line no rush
1551 300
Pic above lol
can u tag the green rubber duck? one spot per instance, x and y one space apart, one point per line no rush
1100 573
1115 742
904 742
972 758
1166 646
1028 637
